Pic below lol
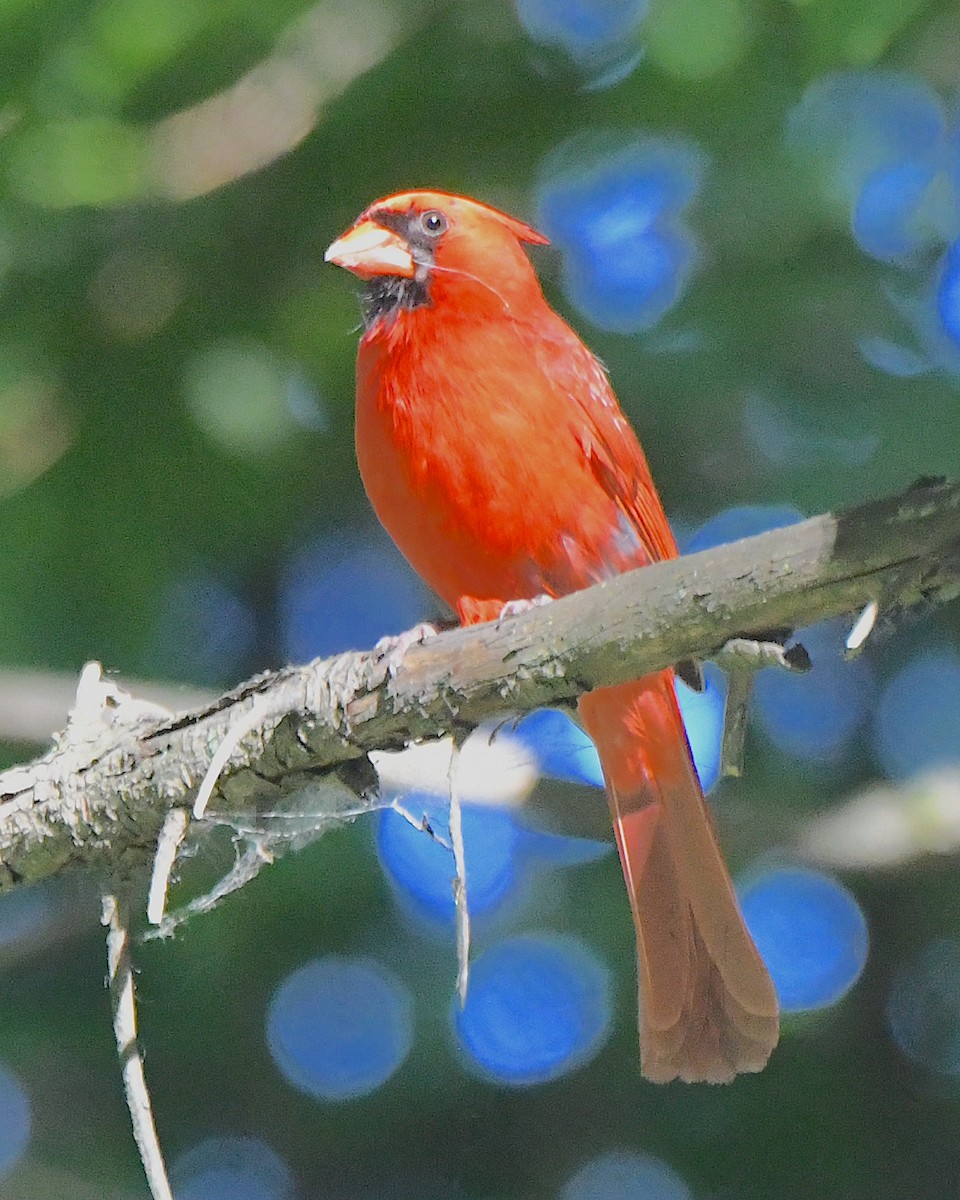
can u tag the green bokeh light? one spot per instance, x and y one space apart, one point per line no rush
695 39
237 393
82 161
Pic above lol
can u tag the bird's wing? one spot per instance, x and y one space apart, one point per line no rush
608 442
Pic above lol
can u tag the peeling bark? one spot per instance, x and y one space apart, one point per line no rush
99 797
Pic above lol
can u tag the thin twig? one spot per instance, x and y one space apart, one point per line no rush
862 628
174 830
248 866
123 1003
733 742
741 658
243 725
462 912
421 824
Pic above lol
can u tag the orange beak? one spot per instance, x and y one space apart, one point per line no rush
368 250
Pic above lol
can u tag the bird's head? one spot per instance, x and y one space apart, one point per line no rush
437 249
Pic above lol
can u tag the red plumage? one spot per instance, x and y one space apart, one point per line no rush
494 452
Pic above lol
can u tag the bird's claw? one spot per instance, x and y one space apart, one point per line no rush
391 650
748 654
513 608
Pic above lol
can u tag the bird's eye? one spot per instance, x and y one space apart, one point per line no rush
433 223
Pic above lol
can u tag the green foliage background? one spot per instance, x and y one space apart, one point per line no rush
146 345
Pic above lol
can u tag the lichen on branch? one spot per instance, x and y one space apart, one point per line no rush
99 797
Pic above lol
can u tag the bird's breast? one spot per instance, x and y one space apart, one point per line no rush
473 465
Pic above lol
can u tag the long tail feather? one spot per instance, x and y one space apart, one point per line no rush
708 1009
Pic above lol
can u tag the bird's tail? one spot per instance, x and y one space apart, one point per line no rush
708 1009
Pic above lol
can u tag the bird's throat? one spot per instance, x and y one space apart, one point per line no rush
384 297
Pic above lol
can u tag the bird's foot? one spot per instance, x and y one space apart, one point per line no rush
390 650
513 608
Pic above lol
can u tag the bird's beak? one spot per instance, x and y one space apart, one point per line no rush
368 250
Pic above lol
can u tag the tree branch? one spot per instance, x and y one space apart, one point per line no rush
98 799
34 703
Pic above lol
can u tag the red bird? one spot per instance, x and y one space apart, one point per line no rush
495 454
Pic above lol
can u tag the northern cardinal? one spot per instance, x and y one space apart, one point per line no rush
495 454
